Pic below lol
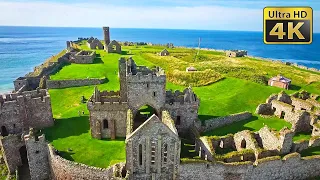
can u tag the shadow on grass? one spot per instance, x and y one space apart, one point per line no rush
98 59
294 87
311 151
115 140
63 128
231 128
66 155
206 117
126 53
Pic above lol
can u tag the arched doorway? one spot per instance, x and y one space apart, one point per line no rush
144 113
4 131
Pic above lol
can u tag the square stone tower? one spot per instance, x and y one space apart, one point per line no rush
106 35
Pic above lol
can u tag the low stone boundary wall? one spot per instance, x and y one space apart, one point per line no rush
56 84
300 146
292 166
62 169
223 121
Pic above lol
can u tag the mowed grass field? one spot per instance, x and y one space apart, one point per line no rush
233 93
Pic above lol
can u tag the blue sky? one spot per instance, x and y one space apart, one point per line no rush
173 14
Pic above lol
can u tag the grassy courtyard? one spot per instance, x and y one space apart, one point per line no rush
240 87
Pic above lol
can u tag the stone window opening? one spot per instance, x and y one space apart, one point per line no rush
243 144
147 85
37 152
178 120
282 115
303 109
14 125
140 154
4 131
114 47
274 109
105 124
154 94
165 154
153 152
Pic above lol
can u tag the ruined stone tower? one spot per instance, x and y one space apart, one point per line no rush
106 35
37 153
116 114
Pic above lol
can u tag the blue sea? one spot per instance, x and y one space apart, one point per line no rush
22 48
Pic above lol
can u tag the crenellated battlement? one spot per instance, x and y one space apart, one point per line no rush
106 100
43 94
107 106
14 100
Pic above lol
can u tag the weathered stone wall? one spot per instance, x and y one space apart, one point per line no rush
20 111
56 84
114 47
183 108
226 120
10 149
29 83
115 113
37 152
84 57
300 104
300 146
291 168
62 169
264 109
146 90
153 150
269 139
204 148
281 109
245 140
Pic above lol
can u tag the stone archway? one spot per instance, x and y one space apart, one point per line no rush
143 113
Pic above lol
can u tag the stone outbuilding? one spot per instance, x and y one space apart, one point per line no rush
191 69
114 47
95 44
236 53
280 81
84 57
164 52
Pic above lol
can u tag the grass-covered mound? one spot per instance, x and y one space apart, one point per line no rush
196 78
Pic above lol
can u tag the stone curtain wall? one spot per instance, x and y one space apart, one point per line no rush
62 169
223 121
10 150
56 84
292 167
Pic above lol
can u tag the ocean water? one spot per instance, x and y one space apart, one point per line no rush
22 48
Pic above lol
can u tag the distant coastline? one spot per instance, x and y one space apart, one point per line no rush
23 48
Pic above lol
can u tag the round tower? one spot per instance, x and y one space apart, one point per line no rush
106 35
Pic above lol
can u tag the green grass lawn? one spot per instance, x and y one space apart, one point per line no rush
71 133
311 152
233 94
253 124
301 136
